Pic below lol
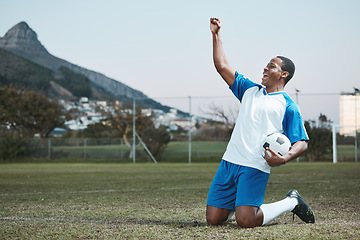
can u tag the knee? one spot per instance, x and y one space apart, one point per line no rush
213 220
216 216
246 222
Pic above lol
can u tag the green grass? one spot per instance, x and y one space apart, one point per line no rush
346 153
165 201
201 151
94 152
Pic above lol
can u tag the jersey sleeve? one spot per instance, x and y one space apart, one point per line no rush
293 125
240 85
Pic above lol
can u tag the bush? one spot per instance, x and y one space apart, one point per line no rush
13 145
320 138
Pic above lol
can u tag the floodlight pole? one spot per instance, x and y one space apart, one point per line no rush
189 130
297 96
134 133
297 103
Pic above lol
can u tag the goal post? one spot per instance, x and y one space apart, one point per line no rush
345 142
334 144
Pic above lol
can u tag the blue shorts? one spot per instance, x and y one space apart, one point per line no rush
235 185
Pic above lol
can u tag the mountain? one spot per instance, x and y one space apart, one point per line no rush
22 41
21 38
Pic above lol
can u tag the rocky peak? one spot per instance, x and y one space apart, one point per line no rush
23 38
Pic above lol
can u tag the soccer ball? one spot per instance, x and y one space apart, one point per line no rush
277 142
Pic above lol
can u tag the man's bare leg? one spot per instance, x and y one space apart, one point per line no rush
216 216
248 216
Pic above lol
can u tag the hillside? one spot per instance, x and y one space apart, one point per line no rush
17 70
45 72
66 84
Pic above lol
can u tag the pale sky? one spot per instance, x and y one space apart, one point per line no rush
163 48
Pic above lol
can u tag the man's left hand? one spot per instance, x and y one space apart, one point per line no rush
275 159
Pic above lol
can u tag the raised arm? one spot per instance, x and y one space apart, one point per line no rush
221 63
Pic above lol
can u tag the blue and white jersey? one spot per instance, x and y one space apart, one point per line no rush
261 114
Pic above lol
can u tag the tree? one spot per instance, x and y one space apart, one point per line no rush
29 112
99 130
13 144
228 117
122 120
223 127
156 139
320 138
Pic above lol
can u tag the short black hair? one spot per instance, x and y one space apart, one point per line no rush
289 66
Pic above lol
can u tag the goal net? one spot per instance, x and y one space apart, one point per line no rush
345 143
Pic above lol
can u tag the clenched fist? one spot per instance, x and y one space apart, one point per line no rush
215 25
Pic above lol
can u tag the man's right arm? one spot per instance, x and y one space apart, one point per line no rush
221 63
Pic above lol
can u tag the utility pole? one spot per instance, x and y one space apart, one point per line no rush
189 129
297 103
356 93
297 96
134 132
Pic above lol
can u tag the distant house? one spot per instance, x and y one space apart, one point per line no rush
58 132
185 124
84 100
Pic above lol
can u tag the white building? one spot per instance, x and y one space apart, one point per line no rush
349 113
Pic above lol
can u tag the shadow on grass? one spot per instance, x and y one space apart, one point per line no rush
178 223
115 222
146 222
190 224
173 223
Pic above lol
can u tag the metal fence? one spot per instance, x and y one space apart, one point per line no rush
192 122
114 150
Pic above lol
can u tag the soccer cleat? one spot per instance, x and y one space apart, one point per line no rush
302 210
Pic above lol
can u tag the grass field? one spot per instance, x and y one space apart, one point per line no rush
165 201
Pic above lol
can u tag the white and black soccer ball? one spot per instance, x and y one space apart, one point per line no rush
277 142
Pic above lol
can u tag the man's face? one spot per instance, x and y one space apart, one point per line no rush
272 72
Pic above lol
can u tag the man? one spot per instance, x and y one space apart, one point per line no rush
240 182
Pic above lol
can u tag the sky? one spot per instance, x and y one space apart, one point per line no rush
164 48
